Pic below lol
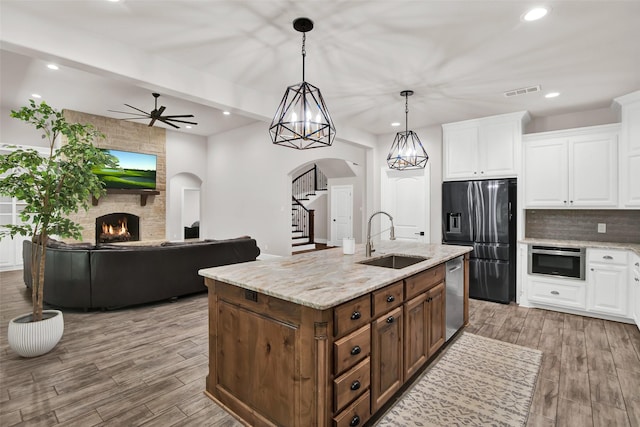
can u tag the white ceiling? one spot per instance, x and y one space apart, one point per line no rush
458 56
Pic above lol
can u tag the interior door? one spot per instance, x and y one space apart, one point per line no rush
341 213
405 197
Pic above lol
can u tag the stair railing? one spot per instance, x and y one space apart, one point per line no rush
302 219
308 183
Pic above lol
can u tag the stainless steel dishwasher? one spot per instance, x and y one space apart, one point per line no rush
455 295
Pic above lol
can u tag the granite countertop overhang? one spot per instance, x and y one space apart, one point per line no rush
328 278
635 247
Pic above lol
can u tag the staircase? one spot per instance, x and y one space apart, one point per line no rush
304 190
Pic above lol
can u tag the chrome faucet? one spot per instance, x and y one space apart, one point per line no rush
392 234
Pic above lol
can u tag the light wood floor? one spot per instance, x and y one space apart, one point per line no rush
147 366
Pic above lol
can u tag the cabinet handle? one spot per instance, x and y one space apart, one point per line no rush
571 201
356 315
356 350
390 319
637 280
354 421
593 269
481 171
355 385
391 298
607 257
555 293
565 202
637 264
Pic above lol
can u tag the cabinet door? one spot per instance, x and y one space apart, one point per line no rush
461 153
608 289
496 149
416 334
546 173
386 357
593 170
630 155
437 322
634 283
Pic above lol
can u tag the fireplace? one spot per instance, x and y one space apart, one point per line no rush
117 227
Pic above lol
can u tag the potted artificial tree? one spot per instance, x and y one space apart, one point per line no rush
51 187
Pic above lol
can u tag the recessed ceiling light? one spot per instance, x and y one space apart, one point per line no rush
395 124
53 67
535 14
35 95
226 113
188 126
552 94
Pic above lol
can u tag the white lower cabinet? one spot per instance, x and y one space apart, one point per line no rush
607 276
611 288
559 292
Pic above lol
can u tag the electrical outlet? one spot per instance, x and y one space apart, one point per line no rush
602 228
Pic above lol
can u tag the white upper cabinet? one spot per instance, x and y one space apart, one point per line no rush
630 150
576 168
483 148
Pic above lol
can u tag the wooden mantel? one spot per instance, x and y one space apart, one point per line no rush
143 194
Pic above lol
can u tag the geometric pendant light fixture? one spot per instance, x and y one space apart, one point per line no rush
407 151
302 120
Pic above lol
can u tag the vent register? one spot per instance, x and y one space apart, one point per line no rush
522 91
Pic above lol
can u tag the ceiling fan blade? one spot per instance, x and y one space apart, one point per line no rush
181 115
167 123
179 121
130 113
137 109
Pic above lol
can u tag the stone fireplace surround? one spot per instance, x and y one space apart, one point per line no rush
127 136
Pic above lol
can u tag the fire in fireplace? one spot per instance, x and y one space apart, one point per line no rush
117 227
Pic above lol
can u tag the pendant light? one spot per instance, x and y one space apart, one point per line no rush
302 120
407 151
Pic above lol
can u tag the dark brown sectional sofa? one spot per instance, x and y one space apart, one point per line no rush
107 276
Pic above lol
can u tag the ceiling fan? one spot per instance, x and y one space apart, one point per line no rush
156 115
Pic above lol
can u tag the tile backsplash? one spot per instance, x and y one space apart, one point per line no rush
622 226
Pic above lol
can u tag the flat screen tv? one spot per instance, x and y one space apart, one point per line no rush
135 171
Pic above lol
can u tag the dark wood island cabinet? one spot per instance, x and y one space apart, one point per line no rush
301 359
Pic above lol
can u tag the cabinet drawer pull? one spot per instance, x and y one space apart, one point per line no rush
354 421
637 264
355 385
637 280
356 350
607 257
555 293
390 319
391 298
355 315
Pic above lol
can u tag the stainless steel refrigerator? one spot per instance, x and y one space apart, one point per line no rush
482 214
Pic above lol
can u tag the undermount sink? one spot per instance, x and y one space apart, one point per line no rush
394 261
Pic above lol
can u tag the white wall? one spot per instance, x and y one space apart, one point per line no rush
186 168
17 132
248 188
601 116
320 207
431 138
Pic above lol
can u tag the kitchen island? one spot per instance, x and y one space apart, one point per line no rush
320 339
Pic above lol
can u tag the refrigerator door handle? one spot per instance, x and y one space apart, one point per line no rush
510 213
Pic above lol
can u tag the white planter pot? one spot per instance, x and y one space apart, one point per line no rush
31 339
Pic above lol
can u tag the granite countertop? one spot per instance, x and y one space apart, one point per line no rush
635 247
327 278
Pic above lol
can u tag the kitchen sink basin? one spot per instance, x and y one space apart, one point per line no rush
394 261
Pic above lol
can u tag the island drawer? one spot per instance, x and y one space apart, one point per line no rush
357 414
352 315
353 348
351 384
421 282
387 298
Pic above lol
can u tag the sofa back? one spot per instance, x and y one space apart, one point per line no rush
111 276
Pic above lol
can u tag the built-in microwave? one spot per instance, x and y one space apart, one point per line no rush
557 261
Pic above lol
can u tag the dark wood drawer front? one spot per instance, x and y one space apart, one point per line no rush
421 282
387 298
355 415
351 384
351 315
351 349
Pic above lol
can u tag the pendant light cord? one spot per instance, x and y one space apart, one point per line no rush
304 52
406 113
